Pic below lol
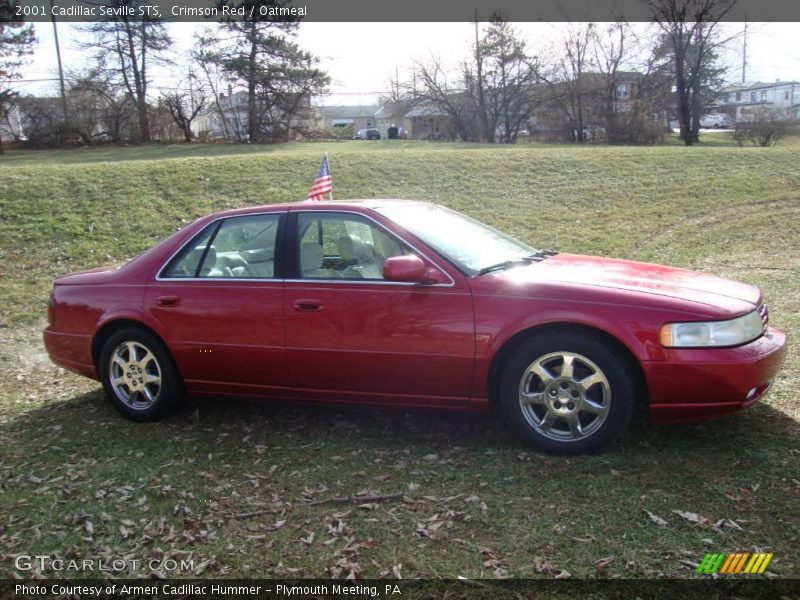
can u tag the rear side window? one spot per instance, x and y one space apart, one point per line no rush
236 248
187 262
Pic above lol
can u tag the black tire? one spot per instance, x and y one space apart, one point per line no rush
146 400
545 422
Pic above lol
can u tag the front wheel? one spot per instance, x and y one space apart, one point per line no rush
138 375
567 393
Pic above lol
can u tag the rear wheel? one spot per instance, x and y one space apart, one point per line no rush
138 375
567 393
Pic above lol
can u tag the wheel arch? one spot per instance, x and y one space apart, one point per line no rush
508 347
107 330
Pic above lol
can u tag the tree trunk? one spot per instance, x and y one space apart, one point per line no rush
187 134
252 109
139 89
2 151
695 132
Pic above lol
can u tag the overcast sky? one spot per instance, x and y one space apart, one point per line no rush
362 57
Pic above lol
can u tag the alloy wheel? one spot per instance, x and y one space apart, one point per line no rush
564 396
135 375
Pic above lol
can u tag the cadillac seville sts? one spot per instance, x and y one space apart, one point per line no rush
408 304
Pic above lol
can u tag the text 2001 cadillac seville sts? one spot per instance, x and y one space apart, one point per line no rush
407 304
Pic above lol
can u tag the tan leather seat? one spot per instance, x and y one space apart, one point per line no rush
360 258
311 258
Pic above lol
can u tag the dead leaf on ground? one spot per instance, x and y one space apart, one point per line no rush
656 519
693 518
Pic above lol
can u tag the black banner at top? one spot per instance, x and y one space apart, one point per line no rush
383 11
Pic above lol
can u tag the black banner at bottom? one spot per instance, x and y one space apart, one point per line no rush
269 589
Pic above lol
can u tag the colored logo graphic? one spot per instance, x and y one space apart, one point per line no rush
732 564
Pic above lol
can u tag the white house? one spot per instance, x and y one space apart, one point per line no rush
225 119
741 100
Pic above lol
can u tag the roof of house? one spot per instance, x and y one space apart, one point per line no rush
755 85
348 112
426 110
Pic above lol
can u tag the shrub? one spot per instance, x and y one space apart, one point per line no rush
766 128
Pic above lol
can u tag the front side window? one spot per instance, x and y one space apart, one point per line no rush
343 246
469 244
238 247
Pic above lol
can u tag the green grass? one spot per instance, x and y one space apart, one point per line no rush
477 503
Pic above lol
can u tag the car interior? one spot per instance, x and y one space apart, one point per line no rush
330 247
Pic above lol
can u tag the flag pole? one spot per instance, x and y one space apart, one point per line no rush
330 194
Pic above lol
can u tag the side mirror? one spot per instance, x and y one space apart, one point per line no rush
409 268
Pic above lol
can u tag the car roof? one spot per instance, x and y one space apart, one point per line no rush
371 203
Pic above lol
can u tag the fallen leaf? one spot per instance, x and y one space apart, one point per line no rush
602 563
656 519
563 574
693 518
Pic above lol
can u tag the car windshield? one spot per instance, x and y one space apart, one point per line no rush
470 244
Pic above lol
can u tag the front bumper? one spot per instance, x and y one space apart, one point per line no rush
693 384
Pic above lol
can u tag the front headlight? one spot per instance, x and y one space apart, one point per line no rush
714 333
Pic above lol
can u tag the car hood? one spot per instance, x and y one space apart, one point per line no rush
688 287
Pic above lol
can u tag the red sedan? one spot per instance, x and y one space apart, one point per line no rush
409 304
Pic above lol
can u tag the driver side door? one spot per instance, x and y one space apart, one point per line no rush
354 337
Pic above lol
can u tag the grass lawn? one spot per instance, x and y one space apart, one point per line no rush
77 480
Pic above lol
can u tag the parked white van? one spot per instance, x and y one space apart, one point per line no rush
716 121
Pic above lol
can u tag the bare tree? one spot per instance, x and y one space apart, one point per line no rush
433 87
184 103
567 82
16 43
100 106
689 27
206 54
262 57
494 92
612 51
501 81
129 45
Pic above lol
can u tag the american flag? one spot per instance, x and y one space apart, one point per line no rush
323 184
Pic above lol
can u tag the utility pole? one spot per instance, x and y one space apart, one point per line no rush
744 51
60 66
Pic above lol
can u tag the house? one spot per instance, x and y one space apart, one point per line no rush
742 100
429 122
392 113
224 119
601 104
357 117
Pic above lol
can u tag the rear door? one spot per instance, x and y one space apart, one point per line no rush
220 303
353 337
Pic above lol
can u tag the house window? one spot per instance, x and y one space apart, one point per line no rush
738 96
763 95
752 96
786 94
369 122
622 90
